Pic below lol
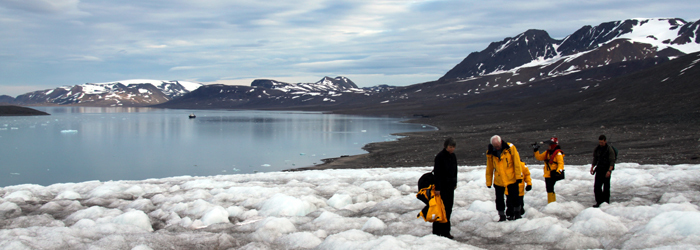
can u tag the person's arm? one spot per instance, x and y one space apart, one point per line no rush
526 173
489 171
560 161
439 170
540 156
595 161
611 153
516 163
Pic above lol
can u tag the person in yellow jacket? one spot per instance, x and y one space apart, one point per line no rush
553 160
503 170
524 186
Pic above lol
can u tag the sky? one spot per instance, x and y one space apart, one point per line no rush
652 207
50 43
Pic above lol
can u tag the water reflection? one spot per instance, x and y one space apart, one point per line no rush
78 144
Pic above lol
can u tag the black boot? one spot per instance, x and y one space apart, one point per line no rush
502 216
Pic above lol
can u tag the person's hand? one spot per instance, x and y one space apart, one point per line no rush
592 170
528 188
437 192
607 175
535 147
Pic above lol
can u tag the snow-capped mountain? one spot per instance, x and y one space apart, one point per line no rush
588 47
267 93
327 84
137 92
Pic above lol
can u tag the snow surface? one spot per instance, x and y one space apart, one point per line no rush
653 206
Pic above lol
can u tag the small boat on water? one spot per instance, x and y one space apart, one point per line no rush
192 116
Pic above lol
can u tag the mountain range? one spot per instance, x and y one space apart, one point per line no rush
580 62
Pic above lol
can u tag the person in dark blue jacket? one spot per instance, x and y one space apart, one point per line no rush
445 171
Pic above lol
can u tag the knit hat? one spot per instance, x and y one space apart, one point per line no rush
554 140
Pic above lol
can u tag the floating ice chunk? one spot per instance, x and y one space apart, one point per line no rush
339 201
69 131
265 165
364 131
135 218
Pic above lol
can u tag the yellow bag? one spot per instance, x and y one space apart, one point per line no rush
435 210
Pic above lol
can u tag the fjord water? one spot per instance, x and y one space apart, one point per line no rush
76 144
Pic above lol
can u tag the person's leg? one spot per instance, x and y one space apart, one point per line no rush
606 190
598 188
551 196
513 201
500 202
448 199
521 200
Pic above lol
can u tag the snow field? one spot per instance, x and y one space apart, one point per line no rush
653 206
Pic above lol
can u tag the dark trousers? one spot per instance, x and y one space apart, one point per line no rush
448 199
512 200
549 184
601 188
521 204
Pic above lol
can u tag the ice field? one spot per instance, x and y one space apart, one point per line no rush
653 206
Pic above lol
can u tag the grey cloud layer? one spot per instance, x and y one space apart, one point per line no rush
72 42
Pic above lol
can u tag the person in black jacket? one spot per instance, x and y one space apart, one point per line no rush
445 171
602 166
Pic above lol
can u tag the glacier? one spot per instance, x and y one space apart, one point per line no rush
652 206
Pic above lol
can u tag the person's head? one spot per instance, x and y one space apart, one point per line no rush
496 142
602 140
450 145
553 142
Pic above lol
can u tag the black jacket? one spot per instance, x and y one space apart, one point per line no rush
603 158
445 171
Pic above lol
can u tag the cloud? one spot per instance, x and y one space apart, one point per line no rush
85 58
43 6
246 39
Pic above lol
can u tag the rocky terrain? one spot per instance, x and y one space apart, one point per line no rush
650 116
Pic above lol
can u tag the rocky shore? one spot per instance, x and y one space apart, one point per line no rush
650 142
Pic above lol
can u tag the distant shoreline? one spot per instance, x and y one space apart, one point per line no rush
638 142
12 110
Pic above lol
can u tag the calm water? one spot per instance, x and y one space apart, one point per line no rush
77 144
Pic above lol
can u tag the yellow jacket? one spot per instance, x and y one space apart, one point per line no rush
558 161
504 170
526 179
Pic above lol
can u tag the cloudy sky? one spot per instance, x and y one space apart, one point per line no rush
50 43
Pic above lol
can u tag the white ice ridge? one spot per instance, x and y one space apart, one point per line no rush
653 206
